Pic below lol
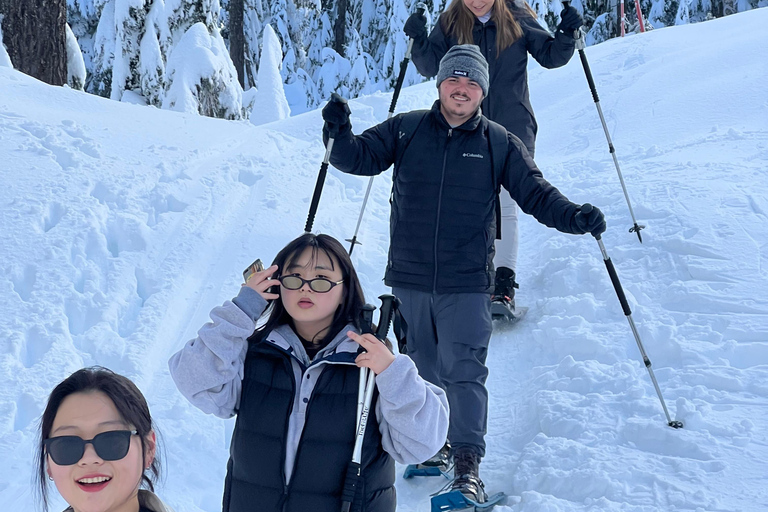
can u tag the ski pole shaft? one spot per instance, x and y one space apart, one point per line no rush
319 186
580 45
628 313
420 9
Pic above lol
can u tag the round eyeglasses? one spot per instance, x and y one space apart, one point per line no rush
318 284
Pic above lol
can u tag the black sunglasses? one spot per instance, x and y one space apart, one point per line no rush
68 450
318 284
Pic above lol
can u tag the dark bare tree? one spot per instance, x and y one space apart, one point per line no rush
237 38
340 28
34 32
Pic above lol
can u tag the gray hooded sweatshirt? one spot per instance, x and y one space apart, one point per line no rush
412 414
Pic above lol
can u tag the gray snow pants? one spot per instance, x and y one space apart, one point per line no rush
448 337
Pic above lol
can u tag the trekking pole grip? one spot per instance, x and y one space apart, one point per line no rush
388 305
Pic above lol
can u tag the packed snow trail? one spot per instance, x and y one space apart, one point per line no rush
123 226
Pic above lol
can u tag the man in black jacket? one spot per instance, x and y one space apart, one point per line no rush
442 229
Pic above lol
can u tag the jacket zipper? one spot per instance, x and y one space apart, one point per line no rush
439 203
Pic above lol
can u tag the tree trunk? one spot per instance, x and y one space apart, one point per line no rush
34 32
237 38
340 29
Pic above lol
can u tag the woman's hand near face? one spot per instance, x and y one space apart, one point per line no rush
260 282
377 358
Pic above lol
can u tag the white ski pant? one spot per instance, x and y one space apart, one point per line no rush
506 248
448 335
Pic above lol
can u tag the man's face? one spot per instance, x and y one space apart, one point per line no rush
460 98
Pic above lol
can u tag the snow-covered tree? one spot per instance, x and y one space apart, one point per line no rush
151 65
75 63
270 103
201 77
358 80
252 30
602 29
103 52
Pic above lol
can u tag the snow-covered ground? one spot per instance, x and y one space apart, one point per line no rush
122 226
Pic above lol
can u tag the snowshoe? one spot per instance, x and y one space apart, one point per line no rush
455 501
466 494
438 465
503 298
504 310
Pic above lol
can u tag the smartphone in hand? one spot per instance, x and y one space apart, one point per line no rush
256 266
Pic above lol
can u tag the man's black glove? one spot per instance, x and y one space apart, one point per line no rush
570 20
336 115
416 26
589 219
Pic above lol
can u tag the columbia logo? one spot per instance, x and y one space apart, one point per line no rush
472 155
459 72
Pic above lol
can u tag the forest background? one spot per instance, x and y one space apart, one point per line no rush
257 59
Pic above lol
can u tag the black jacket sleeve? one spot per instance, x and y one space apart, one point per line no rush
367 154
535 195
426 54
549 51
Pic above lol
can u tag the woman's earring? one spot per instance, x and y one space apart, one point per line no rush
50 478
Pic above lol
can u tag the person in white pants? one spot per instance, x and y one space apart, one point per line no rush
505 260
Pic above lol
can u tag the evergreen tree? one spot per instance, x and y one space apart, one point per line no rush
75 64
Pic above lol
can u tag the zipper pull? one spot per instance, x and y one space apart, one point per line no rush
450 132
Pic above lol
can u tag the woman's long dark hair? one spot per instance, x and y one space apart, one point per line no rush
354 300
459 21
129 402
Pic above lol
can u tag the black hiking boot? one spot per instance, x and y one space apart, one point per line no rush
442 459
503 298
466 470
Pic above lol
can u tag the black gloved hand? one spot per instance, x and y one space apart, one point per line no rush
589 219
416 26
336 115
570 20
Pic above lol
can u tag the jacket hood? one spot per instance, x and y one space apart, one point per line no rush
340 348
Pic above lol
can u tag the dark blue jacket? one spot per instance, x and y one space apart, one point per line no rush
256 469
442 225
507 102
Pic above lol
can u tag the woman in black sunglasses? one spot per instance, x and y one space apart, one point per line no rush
98 445
293 384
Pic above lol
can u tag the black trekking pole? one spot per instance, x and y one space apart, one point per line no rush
628 313
578 36
420 9
319 184
364 396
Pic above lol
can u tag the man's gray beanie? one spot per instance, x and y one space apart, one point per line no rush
464 60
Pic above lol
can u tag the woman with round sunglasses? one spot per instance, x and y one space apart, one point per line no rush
293 384
98 445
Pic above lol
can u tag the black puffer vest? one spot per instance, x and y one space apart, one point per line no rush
256 469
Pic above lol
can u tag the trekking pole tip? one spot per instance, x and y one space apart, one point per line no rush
676 424
636 229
